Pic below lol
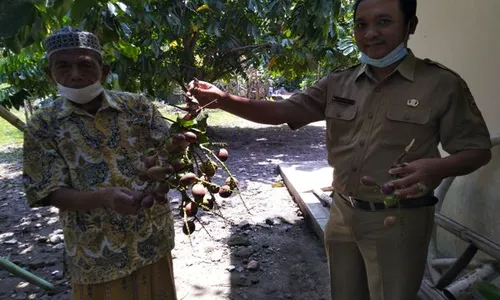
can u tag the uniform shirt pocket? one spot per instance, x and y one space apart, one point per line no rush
340 119
403 123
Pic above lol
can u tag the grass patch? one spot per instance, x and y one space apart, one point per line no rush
216 117
10 135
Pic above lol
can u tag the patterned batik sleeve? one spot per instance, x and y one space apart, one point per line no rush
158 125
44 170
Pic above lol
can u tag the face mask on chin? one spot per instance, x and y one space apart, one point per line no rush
395 55
392 57
83 95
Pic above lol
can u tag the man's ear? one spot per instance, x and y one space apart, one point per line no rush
105 72
413 25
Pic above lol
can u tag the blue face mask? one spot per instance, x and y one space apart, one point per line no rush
398 53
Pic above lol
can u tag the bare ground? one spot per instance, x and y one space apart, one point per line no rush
266 254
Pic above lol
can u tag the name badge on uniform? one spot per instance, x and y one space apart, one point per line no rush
344 101
412 103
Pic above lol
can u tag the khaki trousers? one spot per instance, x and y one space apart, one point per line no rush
370 262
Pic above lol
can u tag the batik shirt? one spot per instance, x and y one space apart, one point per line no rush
66 147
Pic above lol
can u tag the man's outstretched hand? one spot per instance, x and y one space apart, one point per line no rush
206 93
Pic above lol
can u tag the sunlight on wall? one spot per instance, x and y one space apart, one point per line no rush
463 35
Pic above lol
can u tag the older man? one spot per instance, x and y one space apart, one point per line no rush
82 154
373 111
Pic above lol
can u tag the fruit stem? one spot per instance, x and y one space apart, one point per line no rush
405 152
195 156
228 172
203 226
214 101
187 227
219 214
180 107
168 119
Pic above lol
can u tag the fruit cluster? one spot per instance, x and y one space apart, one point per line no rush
388 189
184 161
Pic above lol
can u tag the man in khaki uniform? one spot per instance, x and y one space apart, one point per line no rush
373 111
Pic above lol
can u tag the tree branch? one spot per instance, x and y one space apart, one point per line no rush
238 49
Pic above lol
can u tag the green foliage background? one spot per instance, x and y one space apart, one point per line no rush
155 47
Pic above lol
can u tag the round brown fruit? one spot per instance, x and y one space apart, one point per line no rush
160 198
170 145
178 164
147 201
190 136
179 142
198 191
188 179
368 181
188 227
387 188
223 154
143 175
184 144
158 172
179 137
389 222
163 188
150 161
225 191
191 209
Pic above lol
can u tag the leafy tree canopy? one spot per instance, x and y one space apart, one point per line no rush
156 46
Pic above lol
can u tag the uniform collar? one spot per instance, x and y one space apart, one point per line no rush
406 68
67 107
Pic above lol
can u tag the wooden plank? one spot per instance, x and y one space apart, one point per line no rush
300 179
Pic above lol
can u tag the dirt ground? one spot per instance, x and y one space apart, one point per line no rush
266 254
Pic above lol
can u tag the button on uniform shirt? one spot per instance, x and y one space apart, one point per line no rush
65 147
369 123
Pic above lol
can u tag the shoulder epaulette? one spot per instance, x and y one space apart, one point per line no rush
345 68
440 65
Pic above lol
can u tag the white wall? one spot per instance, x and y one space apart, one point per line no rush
465 36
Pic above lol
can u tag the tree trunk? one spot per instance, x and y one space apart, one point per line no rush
26 110
30 107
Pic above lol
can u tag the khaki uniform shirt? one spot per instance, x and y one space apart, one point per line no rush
65 147
370 122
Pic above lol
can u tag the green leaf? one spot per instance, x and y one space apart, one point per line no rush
129 50
155 48
122 6
62 7
17 100
489 291
80 8
38 29
112 9
15 14
203 139
202 8
337 4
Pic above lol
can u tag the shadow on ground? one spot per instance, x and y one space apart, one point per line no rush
256 152
272 255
